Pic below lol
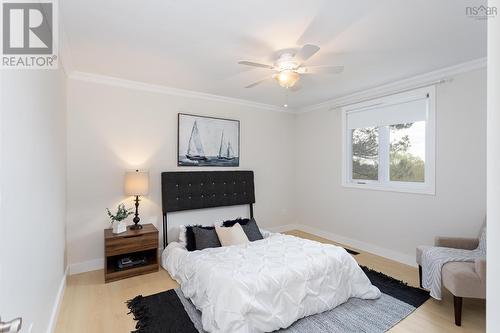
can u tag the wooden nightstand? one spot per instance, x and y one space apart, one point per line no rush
136 243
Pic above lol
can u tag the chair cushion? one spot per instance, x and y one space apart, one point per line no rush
461 279
420 250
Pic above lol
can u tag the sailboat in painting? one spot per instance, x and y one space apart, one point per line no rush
225 151
195 150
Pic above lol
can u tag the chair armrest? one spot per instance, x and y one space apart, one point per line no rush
480 268
457 243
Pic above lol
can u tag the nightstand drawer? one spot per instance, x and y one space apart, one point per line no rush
132 243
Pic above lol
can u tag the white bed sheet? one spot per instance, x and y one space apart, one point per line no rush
267 284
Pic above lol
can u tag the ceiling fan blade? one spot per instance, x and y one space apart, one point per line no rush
306 52
257 82
322 29
321 70
255 64
254 47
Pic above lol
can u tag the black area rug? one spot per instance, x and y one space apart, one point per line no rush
396 288
160 313
165 313
354 253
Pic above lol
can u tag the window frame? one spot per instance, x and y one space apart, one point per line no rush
384 183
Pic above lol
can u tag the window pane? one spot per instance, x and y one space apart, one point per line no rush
407 152
365 153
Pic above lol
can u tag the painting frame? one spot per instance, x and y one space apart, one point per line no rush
200 160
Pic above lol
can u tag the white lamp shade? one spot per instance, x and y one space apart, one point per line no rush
136 183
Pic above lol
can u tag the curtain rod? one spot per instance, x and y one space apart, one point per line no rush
335 106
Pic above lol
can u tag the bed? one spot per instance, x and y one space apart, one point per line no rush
260 286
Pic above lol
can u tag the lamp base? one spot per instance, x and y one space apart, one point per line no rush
136 219
136 227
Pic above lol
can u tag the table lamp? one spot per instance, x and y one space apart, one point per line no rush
136 184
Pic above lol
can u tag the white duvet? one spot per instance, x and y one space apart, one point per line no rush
267 284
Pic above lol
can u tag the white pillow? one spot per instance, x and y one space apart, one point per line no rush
182 235
231 236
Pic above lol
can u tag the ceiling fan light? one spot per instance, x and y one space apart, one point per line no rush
287 78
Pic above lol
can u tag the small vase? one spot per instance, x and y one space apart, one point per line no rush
119 227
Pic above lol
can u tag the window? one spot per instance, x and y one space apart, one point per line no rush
365 153
389 143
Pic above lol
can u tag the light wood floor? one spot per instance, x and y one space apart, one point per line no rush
89 305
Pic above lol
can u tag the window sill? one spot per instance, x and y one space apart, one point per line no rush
425 189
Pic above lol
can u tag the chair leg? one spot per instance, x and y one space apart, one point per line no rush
458 310
420 275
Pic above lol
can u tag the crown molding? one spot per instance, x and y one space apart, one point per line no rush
137 85
440 75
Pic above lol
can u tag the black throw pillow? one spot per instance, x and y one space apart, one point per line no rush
205 238
249 227
239 220
191 240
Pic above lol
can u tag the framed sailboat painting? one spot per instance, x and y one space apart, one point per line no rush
208 141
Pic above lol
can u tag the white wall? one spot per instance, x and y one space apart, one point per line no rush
33 195
493 241
112 129
390 223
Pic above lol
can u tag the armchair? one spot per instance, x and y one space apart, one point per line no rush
462 279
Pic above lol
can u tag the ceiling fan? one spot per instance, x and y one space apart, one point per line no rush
290 66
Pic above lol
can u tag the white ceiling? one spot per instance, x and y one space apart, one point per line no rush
196 44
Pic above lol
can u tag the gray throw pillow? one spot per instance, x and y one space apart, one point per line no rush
205 238
252 230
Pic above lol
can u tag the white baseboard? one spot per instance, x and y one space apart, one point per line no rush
86 266
363 246
57 303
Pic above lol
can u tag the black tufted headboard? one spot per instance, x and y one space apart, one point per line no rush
186 190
